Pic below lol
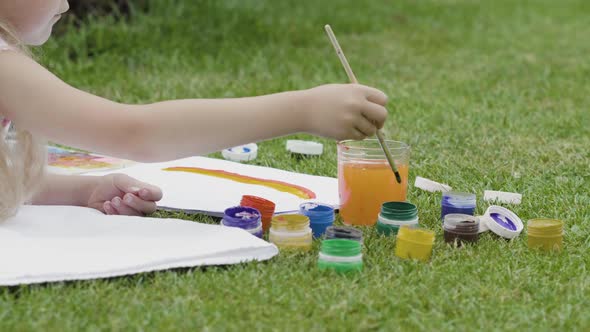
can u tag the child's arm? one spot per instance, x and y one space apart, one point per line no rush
111 194
38 101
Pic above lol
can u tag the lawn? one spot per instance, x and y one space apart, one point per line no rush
490 95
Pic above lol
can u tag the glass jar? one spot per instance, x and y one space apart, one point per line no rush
365 179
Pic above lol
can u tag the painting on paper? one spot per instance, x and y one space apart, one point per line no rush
66 161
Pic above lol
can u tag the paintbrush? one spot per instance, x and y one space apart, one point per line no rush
353 79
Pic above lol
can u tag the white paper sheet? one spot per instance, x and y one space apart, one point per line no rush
211 195
56 243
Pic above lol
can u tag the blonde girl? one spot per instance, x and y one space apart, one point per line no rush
42 107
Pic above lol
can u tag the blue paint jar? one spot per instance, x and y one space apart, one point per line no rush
456 202
321 216
246 218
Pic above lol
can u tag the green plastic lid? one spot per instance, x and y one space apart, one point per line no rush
341 247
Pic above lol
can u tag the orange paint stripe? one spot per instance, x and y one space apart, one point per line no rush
298 191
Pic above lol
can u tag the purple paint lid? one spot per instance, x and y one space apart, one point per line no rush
502 222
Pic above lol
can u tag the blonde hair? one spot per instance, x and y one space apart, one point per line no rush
22 163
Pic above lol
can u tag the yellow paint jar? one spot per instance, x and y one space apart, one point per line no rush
291 231
414 243
545 234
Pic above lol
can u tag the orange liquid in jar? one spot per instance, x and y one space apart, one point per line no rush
364 187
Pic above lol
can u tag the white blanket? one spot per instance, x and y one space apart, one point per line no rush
55 243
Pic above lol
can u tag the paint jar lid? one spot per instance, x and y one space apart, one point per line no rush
545 227
399 211
344 232
429 185
461 223
502 197
502 222
483 225
241 153
305 147
341 247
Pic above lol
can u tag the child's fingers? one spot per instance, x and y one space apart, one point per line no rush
365 127
375 95
357 135
375 113
123 208
139 204
108 208
150 193
126 183
146 191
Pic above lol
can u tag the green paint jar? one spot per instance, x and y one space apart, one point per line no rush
394 215
341 255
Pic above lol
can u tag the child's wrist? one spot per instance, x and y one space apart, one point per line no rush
88 187
300 107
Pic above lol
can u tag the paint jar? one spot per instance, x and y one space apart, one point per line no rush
266 208
545 234
321 216
461 228
414 243
394 215
344 232
341 255
365 179
246 218
291 231
456 202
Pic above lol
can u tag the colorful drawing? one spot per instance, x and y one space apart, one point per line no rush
77 161
298 191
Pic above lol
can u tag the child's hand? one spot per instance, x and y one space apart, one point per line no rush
121 194
345 111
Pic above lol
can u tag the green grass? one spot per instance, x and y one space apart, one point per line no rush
490 95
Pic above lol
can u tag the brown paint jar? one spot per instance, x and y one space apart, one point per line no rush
460 228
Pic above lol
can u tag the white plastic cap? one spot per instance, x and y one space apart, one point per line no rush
483 225
502 197
429 185
241 153
305 147
502 222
